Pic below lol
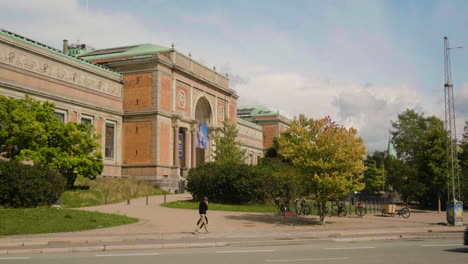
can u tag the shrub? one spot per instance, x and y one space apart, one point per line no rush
241 183
225 183
29 185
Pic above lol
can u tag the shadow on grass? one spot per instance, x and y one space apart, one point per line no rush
278 219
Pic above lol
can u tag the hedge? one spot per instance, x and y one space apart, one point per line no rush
24 185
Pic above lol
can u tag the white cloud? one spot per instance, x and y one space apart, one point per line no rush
349 66
52 21
370 109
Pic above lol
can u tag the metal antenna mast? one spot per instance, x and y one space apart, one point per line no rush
450 117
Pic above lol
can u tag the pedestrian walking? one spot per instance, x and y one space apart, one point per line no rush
203 222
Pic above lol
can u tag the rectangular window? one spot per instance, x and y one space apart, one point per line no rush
110 132
86 121
60 115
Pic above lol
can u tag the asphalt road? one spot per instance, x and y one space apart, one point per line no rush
395 252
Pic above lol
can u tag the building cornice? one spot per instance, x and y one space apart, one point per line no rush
162 60
39 62
56 98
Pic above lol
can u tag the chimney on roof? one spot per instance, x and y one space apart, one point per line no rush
65 46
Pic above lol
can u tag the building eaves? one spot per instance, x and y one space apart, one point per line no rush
56 51
257 110
127 51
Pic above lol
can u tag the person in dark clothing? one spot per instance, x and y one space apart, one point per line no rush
202 208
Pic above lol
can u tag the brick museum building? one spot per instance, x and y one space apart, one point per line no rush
157 110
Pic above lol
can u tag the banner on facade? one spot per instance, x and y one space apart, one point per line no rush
180 145
202 135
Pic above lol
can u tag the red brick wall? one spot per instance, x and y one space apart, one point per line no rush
269 132
283 128
165 92
137 91
167 54
74 117
165 144
137 142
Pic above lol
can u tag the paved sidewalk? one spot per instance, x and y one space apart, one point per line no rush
163 226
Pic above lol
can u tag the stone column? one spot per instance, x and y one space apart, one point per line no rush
194 147
176 145
188 143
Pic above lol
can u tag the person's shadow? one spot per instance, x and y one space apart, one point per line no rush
458 250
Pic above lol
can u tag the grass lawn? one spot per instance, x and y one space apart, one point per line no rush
263 208
53 220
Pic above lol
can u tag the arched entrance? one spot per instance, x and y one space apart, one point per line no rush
203 116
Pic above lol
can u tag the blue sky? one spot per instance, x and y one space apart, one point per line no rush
361 62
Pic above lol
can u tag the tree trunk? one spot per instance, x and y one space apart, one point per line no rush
322 212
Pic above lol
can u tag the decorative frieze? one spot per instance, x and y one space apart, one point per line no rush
56 70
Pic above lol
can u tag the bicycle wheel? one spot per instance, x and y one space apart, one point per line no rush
405 212
306 210
343 211
361 211
384 212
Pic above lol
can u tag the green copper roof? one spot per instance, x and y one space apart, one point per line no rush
128 51
255 110
248 123
53 50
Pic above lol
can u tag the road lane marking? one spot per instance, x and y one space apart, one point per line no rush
349 248
245 251
15 258
122 255
442 245
292 260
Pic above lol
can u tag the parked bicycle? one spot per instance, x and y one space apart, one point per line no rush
305 208
403 212
301 207
360 210
339 209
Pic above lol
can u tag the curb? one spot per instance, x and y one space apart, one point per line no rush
112 248
299 241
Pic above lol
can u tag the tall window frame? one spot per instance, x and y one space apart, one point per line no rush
109 141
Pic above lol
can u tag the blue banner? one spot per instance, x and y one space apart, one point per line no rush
202 136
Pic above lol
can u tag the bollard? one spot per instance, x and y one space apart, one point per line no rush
164 198
146 199
128 201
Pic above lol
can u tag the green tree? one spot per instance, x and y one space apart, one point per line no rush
329 156
228 149
420 143
31 131
464 164
373 177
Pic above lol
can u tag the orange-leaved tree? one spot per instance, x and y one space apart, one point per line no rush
329 156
